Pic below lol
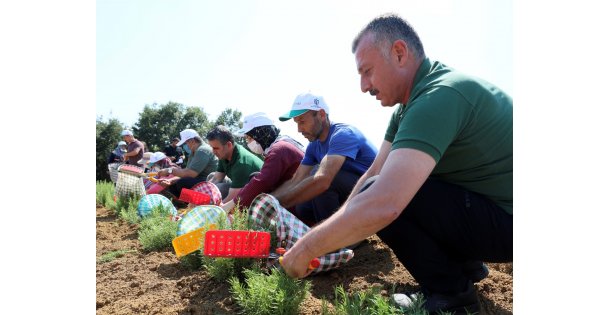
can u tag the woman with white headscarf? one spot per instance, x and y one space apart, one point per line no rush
282 156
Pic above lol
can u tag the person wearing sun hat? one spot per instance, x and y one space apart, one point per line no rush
116 156
201 162
337 155
282 156
154 163
135 149
145 159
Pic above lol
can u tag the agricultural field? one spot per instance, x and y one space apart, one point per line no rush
135 279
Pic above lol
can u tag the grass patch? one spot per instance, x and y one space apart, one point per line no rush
109 256
104 193
126 209
157 230
275 293
366 302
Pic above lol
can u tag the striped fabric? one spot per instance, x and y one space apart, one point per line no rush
199 217
127 184
148 202
211 190
265 211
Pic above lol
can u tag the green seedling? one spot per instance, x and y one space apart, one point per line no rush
157 230
275 293
109 256
366 302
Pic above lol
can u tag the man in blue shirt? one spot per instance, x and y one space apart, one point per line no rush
336 157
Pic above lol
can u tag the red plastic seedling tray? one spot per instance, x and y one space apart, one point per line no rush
237 244
194 197
243 244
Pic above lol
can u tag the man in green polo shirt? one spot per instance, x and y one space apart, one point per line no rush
440 191
236 162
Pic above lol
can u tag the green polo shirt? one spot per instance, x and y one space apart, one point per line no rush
240 166
465 124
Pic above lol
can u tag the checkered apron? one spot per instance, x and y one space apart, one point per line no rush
265 211
199 217
148 202
211 190
128 184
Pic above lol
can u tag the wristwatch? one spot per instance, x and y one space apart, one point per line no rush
170 170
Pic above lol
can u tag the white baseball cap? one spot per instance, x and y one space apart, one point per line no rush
157 156
303 103
186 135
126 133
122 143
254 120
145 158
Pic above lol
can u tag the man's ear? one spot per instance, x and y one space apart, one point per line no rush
323 113
400 51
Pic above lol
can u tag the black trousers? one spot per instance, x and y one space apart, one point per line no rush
185 182
324 205
444 227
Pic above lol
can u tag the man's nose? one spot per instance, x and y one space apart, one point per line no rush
365 84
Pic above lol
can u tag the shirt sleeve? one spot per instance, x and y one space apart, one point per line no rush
344 142
199 162
393 124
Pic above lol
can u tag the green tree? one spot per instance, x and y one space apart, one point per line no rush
107 138
157 124
231 118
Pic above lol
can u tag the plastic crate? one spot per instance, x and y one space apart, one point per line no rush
229 243
194 197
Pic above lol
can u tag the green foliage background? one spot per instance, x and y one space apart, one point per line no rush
156 125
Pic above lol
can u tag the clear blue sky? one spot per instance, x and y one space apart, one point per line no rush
258 55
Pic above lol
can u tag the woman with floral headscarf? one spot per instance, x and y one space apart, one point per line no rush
282 156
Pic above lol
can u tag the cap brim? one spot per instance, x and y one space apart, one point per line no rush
182 142
292 114
241 132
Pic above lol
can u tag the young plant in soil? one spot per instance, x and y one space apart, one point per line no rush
104 192
275 293
366 302
109 256
126 209
157 230
223 268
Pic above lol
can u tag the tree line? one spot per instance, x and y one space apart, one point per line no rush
157 125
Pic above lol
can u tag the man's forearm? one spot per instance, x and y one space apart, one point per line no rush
283 188
307 189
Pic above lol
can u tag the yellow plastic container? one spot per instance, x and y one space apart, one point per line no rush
191 241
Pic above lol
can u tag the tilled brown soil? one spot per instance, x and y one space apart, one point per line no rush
156 282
